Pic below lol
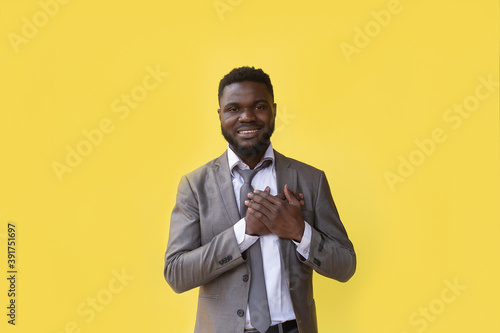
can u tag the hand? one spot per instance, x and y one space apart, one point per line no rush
254 226
299 197
281 217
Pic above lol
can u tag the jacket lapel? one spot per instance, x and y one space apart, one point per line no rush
285 175
226 191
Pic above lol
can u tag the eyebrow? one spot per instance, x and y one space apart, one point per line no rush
254 102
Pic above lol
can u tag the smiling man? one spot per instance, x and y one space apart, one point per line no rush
251 250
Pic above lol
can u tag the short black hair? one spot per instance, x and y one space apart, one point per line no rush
245 73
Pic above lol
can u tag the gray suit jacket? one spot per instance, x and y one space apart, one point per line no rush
202 250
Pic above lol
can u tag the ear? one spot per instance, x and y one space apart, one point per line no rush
275 109
218 111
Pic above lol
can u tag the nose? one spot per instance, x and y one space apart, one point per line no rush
247 115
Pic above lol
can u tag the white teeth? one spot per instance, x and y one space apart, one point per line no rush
245 132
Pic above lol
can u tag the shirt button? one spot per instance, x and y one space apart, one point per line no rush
245 278
240 313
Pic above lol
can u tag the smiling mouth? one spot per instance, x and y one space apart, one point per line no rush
248 131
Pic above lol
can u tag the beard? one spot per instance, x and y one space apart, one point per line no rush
258 148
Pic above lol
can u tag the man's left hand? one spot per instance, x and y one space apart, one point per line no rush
282 217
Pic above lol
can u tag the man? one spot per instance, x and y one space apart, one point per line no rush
253 256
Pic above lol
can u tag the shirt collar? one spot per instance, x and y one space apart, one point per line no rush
235 161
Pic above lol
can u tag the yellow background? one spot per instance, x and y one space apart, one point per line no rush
352 116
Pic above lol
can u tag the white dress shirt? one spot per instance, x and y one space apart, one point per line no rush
280 303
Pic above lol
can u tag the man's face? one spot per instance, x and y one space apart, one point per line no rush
247 113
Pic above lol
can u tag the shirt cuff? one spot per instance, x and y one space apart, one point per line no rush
305 244
244 241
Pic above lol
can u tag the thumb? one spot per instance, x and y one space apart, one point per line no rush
290 197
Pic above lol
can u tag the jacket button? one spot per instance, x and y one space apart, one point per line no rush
245 278
240 313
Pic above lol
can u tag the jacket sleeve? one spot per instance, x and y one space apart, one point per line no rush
331 252
188 263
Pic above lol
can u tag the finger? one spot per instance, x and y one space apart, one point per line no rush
258 207
262 196
267 201
260 217
268 189
301 196
290 197
281 196
298 196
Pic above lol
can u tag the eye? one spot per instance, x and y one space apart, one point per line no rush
232 109
260 107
